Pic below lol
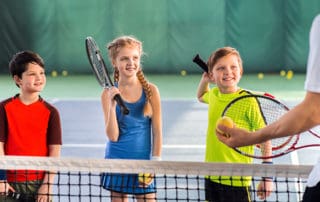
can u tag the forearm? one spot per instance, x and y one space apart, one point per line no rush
54 151
203 87
110 120
301 118
111 125
2 172
157 144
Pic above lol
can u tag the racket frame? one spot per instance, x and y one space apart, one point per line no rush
102 76
293 138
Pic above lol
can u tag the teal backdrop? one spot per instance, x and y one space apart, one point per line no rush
271 35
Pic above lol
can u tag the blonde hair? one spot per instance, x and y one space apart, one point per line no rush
113 51
221 52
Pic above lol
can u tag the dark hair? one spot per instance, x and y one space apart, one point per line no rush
18 63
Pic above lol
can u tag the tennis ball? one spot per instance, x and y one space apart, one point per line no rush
282 73
145 179
64 73
260 76
54 73
289 74
226 121
183 72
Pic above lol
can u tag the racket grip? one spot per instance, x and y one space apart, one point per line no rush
200 63
120 102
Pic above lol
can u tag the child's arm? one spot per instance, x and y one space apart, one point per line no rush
156 123
203 86
110 117
45 190
4 186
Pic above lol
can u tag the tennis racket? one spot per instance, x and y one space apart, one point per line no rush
200 63
100 70
254 111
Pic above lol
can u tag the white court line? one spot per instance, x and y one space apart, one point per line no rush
298 185
171 146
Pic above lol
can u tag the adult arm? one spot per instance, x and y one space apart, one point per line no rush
301 118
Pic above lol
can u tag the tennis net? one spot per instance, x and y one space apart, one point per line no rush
79 179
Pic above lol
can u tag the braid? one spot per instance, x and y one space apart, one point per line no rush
116 75
147 111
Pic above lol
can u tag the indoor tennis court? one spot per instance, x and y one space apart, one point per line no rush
271 36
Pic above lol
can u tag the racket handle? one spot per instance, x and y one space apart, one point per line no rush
200 62
120 102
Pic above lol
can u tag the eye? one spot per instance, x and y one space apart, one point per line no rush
220 68
136 58
234 67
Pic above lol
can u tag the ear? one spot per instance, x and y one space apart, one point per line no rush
211 77
17 80
241 71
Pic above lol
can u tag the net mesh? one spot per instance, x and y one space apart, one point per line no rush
79 179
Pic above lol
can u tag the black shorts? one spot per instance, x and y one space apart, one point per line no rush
312 194
216 192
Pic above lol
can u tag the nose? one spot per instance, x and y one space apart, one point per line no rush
39 76
227 70
130 60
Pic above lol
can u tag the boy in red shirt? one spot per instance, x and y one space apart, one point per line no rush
29 126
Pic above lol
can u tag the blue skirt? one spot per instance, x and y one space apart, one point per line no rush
126 183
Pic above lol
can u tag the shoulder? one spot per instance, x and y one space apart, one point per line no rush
6 101
3 103
154 89
50 107
317 19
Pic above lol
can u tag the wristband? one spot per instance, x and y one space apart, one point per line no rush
3 175
156 158
267 178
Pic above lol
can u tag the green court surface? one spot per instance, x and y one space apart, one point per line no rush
170 86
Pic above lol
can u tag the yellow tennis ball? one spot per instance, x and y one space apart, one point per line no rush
289 74
64 73
282 73
145 179
183 72
226 121
260 76
54 73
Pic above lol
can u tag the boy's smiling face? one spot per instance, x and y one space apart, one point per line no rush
226 73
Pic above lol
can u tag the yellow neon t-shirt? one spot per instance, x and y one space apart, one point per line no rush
216 151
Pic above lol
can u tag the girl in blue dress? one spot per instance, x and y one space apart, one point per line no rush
137 135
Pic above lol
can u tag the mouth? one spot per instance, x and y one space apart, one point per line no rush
228 79
131 68
38 84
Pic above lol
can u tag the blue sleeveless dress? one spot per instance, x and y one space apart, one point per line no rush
134 142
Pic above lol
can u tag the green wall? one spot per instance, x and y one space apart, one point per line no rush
270 34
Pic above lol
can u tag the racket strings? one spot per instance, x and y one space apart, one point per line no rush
252 112
97 65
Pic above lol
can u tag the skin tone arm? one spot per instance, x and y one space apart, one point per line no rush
301 118
46 187
156 121
4 187
203 86
108 107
